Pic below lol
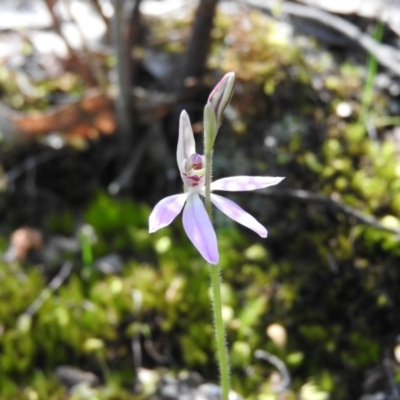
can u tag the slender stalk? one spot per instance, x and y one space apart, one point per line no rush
372 69
220 331
208 185
215 274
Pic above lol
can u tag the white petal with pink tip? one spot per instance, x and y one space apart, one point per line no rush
166 210
243 183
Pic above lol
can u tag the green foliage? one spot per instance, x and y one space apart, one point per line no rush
85 318
128 219
259 51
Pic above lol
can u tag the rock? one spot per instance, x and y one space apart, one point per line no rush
190 387
71 376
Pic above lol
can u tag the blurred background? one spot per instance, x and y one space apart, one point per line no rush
92 306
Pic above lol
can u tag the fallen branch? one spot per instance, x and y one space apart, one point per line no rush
384 54
304 195
87 117
93 112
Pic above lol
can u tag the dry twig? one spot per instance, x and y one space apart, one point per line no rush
53 285
280 366
97 6
83 68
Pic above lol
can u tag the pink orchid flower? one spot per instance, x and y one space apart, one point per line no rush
195 219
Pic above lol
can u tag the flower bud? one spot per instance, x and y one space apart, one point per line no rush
221 95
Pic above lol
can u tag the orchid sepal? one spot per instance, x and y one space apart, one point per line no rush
186 144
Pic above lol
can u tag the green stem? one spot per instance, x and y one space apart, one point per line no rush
215 274
219 330
372 69
208 185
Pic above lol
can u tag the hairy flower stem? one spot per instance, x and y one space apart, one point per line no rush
207 185
215 274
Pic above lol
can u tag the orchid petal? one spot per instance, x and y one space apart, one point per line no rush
242 183
166 210
199 229
232 210
186 143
